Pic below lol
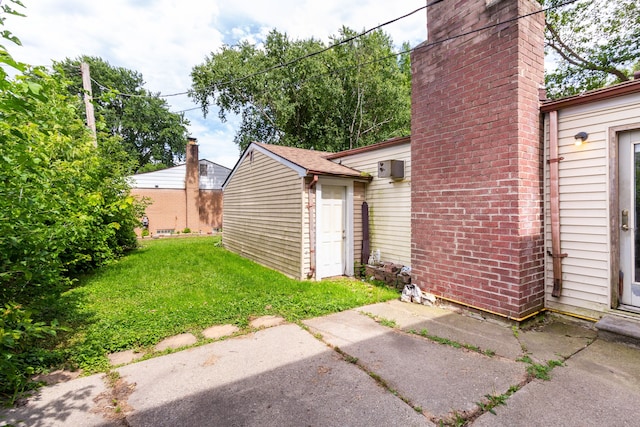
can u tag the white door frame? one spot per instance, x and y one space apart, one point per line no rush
628 142
348 223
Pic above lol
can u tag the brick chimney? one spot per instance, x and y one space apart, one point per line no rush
192 185
477 156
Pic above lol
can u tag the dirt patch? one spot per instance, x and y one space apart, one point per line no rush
112 404
211 360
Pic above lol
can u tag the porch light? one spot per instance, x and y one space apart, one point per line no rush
581 138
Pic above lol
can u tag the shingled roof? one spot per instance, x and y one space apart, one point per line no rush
315 162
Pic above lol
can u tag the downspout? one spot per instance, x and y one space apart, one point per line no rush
312 227
554 191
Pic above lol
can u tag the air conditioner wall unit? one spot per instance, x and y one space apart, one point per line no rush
391 169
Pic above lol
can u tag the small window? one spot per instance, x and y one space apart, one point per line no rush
165 231
203 170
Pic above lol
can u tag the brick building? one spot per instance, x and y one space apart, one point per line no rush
185 196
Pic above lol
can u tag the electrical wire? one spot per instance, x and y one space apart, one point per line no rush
333 46
293 61
416 48
380 59
188 109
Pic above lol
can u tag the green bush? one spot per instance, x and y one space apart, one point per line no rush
65 205
19 359
187 230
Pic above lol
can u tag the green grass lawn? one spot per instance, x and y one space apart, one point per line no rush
170 286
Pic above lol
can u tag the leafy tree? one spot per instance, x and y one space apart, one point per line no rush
150 133
65 207
352 95
596 42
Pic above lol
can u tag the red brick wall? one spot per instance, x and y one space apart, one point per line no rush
476 153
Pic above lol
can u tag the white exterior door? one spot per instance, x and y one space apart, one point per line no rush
629 211
332 231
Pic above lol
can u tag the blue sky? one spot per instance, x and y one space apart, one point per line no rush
165 39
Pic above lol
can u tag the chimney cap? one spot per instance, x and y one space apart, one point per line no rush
192 140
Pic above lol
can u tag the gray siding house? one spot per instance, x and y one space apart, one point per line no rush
300 211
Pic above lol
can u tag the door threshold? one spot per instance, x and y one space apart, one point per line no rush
620 326
629 308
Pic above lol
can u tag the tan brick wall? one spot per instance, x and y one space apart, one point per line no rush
177 209
192 183
476 152
168 210
210 208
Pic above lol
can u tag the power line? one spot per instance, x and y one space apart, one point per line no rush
127 95
507 21
416 48
422 46
293 61
333 46
349 39
188 109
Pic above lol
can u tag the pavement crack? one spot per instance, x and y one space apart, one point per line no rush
587 345
377 378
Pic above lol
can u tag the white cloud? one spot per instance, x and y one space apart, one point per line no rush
165 39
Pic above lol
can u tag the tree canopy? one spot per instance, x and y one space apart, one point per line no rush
596 43
349 96
150 133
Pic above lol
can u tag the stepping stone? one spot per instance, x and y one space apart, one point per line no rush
123 357
58 376
176 341
220 331
266 322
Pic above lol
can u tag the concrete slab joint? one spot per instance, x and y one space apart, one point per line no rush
285 375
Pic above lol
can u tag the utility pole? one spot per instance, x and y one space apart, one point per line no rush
86 85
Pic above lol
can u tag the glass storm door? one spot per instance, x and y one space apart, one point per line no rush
332 231
629 210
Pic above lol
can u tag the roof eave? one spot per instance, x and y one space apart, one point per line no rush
614 91
359 177
377 146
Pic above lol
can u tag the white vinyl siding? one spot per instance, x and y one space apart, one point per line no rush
389 202
358 200
306 236
215 175
173 178
170 178
584 204
263 210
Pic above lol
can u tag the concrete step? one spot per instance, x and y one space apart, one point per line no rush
620 327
